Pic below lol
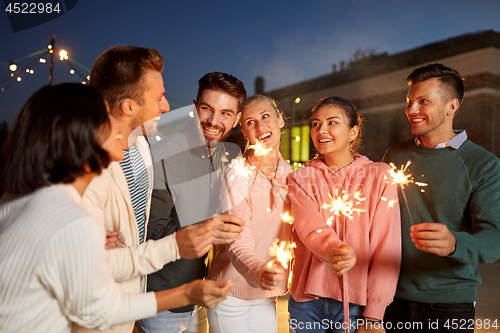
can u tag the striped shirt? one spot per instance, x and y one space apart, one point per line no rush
137 180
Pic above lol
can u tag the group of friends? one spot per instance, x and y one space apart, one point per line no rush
101 231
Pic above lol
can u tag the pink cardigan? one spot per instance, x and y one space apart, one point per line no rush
375 233
241 262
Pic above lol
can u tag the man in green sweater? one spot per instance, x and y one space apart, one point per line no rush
449 226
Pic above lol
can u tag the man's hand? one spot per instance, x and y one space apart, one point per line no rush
342 258
434 238
195 240
207 293
227 228
271 276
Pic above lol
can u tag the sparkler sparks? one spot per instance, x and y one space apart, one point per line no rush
282 251
287 218
260 149
341 205
241 168
400 178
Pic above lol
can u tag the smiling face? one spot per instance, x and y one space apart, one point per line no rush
153 103
113 144
331 133
218 113
430 109
261 121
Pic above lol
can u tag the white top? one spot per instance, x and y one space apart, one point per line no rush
108 200
54 270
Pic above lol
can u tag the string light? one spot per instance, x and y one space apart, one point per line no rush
63 55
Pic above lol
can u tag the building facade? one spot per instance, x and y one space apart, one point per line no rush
376 84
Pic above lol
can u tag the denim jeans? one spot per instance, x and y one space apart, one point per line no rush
406 316
171 322
322 315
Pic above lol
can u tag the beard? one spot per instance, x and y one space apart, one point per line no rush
222 136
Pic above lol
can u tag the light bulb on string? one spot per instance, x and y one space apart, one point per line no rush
63 55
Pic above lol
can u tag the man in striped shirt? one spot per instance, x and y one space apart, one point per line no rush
130 80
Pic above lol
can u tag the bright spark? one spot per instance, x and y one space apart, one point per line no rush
239 165
287 218
341 205
259 149
399 177
282 251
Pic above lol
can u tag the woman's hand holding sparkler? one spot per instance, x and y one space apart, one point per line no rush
434 238
227 228
271 276
342 258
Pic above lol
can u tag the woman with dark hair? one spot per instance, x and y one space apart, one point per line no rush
346 219
54 268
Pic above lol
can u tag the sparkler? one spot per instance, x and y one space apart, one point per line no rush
240 167
341 205
400 178
287 218
282 251
260 149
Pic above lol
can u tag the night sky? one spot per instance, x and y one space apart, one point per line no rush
283 41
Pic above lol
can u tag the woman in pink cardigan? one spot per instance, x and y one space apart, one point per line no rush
347 260
259 201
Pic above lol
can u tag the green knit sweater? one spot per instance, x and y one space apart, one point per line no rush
463 192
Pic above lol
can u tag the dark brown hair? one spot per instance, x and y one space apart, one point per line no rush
119 70
56 136
448 76
224 83
353 117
